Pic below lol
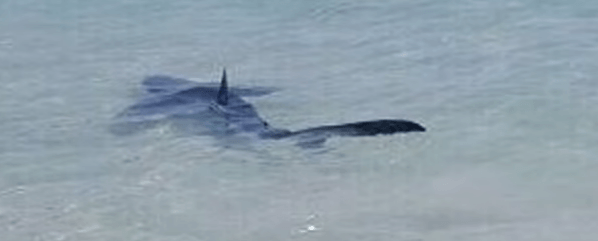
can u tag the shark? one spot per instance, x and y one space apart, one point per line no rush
219 110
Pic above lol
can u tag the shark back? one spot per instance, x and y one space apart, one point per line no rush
240 115
206 106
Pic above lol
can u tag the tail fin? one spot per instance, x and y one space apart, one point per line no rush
316 136
222 98
367 128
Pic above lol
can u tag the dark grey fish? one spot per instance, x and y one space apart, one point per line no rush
219 110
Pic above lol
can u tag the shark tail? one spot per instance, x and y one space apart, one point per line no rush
316 136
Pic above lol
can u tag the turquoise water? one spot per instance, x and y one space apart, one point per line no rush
506 89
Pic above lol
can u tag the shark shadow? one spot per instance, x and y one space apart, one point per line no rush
219 110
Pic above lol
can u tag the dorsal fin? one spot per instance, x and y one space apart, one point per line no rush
222 98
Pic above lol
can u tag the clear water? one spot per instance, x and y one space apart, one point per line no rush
507 90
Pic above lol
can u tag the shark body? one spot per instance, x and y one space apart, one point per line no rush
218 110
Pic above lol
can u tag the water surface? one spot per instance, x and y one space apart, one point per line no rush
506 89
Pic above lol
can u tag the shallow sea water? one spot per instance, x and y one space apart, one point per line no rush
506 89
